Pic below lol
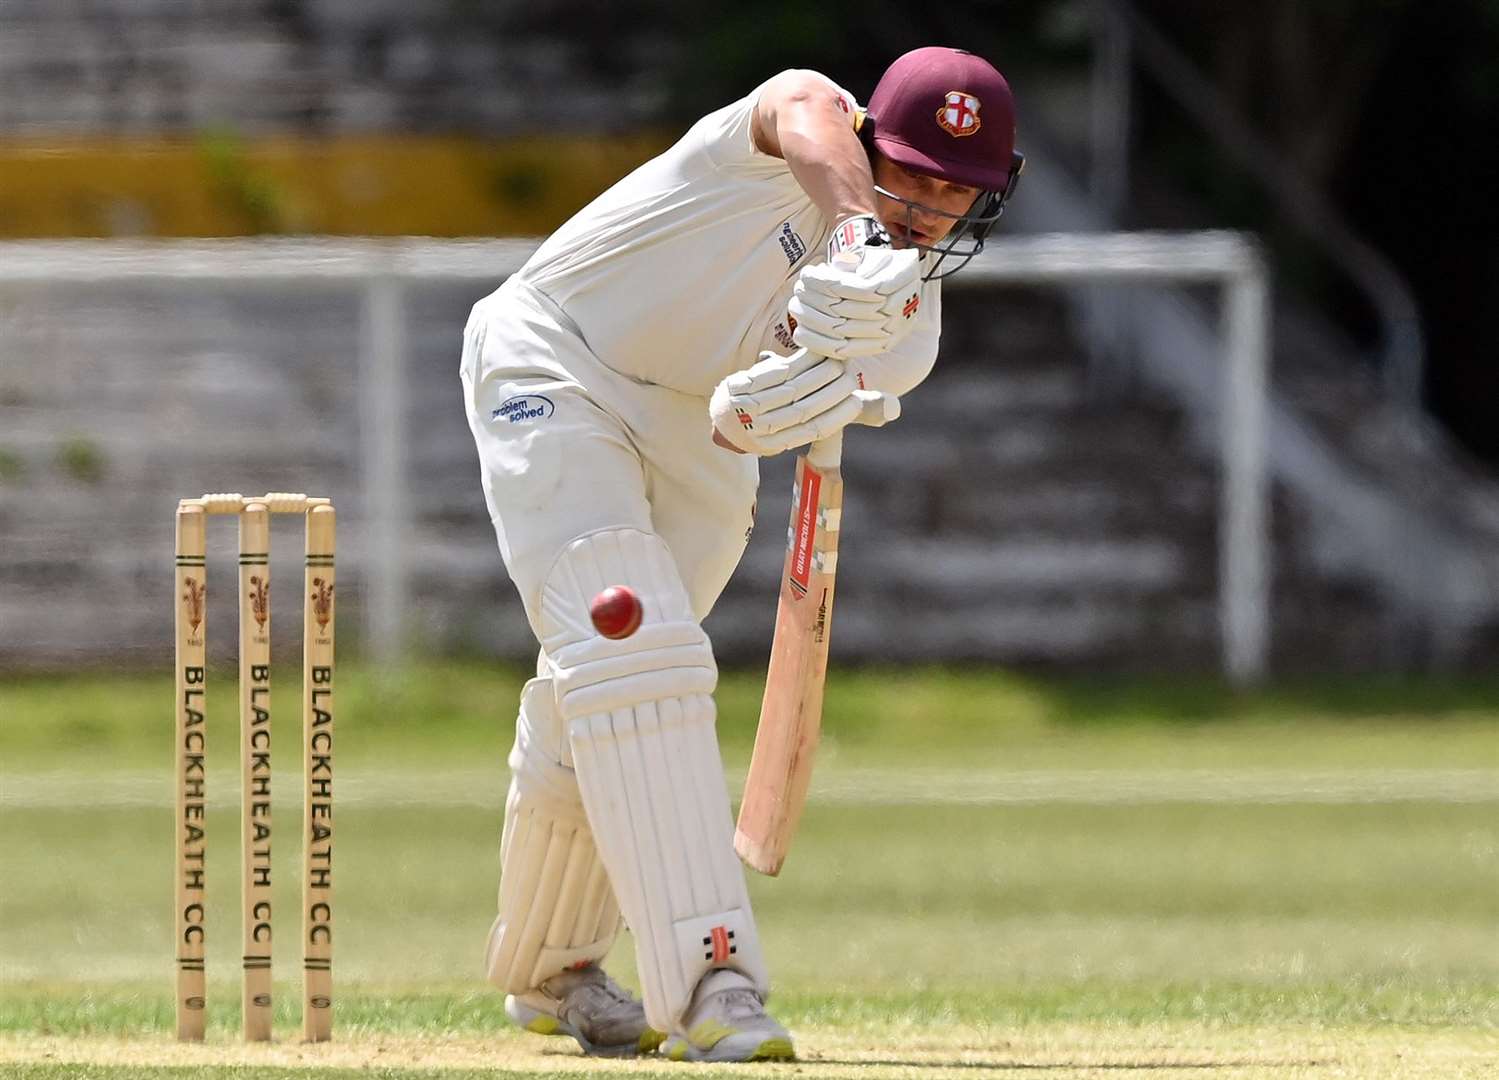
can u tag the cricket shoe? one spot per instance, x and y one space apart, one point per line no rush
592 1008
727 1021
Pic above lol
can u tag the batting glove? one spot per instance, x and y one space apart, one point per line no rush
863 300
787 401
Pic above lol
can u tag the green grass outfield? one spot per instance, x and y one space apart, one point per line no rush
997 876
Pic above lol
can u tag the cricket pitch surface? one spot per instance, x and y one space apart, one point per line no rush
995 876
1063 1052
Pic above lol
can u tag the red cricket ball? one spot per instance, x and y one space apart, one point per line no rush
616 612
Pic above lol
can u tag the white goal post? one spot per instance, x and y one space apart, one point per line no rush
1232 261
380 269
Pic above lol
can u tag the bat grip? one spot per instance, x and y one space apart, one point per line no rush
826 453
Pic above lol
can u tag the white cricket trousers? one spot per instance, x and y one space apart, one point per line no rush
584 448
581 463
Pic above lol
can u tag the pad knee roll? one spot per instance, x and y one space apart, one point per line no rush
669 655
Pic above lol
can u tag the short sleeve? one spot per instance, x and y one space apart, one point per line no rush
727 135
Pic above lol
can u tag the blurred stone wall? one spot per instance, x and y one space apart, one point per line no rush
1007 517
322 67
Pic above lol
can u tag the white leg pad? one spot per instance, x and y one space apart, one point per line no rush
556 907
640 720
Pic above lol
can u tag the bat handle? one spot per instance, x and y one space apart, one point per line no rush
826 453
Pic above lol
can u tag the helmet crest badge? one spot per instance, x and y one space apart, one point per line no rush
959 115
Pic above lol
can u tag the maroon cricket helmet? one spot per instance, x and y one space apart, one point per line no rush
947 113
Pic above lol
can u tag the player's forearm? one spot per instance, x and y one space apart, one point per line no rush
827 159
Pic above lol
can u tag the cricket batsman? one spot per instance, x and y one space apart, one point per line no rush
770 279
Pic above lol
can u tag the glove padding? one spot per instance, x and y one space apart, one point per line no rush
787 401
863 300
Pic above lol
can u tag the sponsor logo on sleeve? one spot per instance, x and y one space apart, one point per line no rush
524 408
792 244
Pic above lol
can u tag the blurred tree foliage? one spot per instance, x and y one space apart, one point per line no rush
1298 72
706 54
736 46
1421 174
1390 108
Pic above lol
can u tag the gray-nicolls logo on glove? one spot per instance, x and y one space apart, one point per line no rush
864 299
783 402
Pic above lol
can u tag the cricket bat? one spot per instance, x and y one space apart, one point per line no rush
791 712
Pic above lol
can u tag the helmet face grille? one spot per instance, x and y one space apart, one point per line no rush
969 230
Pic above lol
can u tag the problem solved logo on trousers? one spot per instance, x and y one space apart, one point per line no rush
523 408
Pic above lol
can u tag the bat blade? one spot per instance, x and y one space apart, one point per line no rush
775 791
